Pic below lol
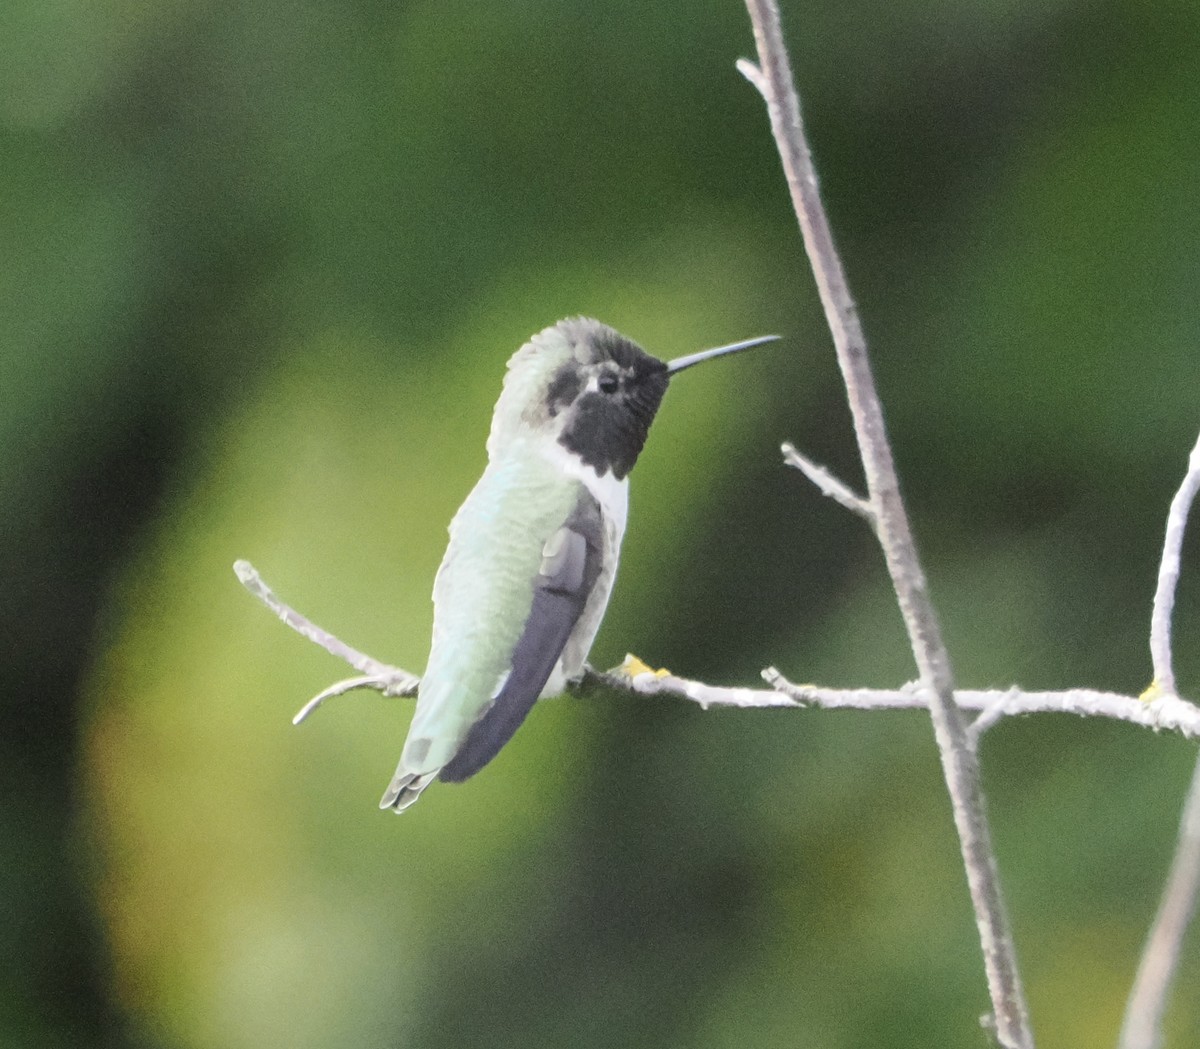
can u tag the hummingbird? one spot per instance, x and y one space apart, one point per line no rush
533 550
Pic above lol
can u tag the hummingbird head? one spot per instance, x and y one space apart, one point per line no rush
589 388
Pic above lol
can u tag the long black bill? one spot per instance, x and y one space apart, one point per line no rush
679 363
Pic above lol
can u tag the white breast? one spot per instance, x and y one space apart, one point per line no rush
611 494
613 497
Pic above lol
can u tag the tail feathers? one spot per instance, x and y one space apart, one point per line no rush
405 788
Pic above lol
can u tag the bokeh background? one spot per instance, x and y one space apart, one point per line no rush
261 265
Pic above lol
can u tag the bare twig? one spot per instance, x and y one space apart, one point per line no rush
987 718
1168 713
752 73
383 677
1144 1011
829 485
1142 1027
1168 575
774 80
397 683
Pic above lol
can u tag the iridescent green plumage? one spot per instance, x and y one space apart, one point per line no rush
482 597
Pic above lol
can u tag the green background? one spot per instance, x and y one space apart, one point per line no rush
261 265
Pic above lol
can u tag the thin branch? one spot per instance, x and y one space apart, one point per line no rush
986 719
634 676
1142 1027
1167 713
1168 575
1147 1004
959 764
397 683
392 680
828 484
752 73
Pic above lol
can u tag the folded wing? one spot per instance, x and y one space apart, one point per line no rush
571 563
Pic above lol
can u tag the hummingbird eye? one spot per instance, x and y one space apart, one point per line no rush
608 383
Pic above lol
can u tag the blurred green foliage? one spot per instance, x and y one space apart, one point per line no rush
263 264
